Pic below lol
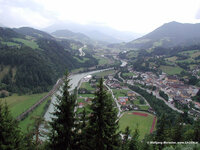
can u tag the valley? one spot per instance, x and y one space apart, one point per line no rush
154 77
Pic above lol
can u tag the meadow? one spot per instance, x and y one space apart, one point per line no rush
18 104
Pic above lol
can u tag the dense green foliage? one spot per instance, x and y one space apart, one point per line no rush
102 122
163 95
36 61
167 35
10 137
159 106
62 135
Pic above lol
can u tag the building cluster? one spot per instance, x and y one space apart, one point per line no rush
170 85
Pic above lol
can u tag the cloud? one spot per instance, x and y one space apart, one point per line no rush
16 13
197 16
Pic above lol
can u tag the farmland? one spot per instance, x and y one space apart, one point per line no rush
171 70
19 104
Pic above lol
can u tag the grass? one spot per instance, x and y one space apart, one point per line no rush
77 70
136 102
132 54
130 74
81 60
144 107
144 124
19 104
28 43
39 111
10 44
87 86
173 59
189 52
171 70
104 73
85 95
120 93
4 71
102 60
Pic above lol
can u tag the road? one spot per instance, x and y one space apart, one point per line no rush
157 96
118 105
119 75
168 104
81 51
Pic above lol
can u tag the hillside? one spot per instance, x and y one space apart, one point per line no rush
169 35
95 31
67 34
27 31
32 60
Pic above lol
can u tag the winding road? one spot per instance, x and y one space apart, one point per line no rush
81 50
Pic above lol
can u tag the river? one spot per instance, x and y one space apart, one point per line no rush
74 80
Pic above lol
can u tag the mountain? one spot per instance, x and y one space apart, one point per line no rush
169 35
66 34
32 32
95 32
32 60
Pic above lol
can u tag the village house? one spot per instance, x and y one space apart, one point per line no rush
131 94
122 100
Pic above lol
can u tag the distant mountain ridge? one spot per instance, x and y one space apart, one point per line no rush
169 35
95 32
67 34
32 32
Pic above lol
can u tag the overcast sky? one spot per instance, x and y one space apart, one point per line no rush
140 16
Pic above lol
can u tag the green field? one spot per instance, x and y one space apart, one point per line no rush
102 60
144 123
83 60
130 74
104 73
11 44
85 95
136 102
171 70
28 122
19 104
144 107
87 86
173 59
120 93
29 43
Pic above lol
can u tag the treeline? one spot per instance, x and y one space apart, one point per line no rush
159 106
97 131
37 70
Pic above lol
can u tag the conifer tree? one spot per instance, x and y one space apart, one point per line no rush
63 123
81 141
197 131
134 143
102 131
10 136
125 140
177 130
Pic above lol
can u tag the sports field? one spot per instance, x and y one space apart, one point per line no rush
146 122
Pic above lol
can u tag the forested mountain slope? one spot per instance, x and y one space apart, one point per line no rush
32 60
